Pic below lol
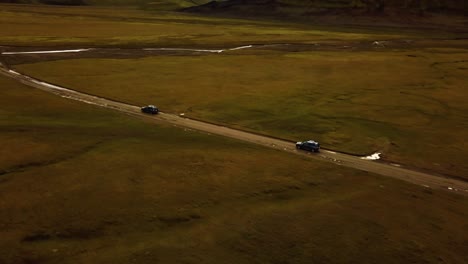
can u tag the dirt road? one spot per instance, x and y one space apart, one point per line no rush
395 171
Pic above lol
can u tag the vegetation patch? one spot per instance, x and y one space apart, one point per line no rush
89 185
150 192
33 25
358 102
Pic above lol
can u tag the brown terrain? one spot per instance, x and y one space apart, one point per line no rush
341 159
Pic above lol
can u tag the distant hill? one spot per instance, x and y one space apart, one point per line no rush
304 8
293 8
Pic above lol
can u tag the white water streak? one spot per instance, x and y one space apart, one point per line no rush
88 49
242 47
201 50
181 49
374 156
44 51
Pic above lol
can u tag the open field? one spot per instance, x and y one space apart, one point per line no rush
24 25
354 97
408 104
427 180
80 184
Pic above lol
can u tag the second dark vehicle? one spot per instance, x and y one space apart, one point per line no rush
150 109
309 145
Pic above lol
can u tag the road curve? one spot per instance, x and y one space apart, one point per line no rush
423 179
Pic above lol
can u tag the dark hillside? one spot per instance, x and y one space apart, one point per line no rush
304 8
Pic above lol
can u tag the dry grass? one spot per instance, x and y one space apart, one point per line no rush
110 189
24 25
408 104
80 184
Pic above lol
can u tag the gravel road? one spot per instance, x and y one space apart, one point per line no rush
423 179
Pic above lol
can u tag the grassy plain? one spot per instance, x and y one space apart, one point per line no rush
385 99
408 104
24 25
80 184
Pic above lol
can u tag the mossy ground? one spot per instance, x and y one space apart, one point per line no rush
407 104
81 184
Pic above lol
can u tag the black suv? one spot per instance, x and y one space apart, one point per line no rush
150 109
308 145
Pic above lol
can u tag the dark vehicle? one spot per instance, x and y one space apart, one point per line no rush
150 109
308 145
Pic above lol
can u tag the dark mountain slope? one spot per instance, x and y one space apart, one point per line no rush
318 7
